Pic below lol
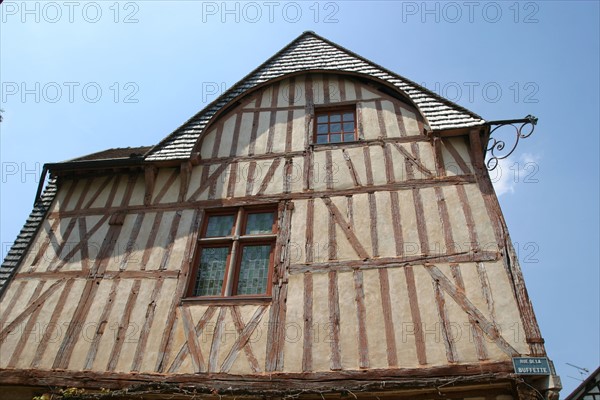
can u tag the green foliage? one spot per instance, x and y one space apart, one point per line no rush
71 392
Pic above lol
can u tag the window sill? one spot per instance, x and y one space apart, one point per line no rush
224 301
338 144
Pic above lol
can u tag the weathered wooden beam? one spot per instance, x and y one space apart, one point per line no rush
133 274
185 348
278 309
446 328
145 331
216 341
73 333
63 204
191 339
329 182
251 178
388 321
440 165
415 315
380 120
334 322
351 168
249 200
339 219
135 231
374 224
101 326
307 356
236 133
254 130
361 316
533 335
457 157
166 341
53 324
470 220
218 137
49 239
27 329
113 191
61 245
368 166
11 304
413 160
185 173
233 179
149 247
38 302
84 193
99 190
150 173
167 186
395 262
244 334
421 222
123 326
209 181
170 241
480 348
445 219
477 376
268 177
390 176
290 115
272 118
461 299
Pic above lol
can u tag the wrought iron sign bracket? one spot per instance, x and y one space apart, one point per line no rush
497 149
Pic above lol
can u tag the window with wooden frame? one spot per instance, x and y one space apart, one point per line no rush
335 125
235 253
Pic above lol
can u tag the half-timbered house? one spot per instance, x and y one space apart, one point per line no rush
324 228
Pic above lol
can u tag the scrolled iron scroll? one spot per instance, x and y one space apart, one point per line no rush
496 147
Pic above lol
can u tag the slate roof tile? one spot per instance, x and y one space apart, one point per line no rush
25 238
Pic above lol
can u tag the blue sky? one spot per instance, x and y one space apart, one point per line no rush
93 75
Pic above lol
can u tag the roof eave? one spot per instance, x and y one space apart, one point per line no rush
94 164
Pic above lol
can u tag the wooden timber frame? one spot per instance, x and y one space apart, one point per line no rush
386 248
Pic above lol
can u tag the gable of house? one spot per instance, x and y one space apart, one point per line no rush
314 233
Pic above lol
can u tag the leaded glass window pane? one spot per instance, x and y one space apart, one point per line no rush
322 129
258 223
254 269
348 126
209 281
322 139
220 225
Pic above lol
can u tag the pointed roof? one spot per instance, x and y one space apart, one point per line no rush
312 52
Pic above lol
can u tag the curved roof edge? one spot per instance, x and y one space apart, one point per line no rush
26 236
310 52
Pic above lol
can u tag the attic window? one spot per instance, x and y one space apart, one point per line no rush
335 125
235 254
